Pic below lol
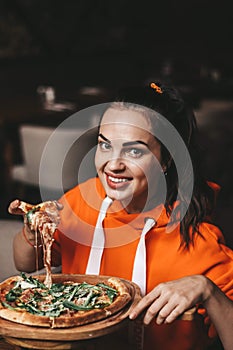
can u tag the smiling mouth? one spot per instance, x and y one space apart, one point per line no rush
117 182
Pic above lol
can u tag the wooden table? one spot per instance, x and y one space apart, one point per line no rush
7 346
114 341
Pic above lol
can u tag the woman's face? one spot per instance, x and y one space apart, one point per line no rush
128 158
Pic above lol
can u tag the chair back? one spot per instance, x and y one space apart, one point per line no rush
33 140
53 157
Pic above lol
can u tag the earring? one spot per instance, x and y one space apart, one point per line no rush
164 170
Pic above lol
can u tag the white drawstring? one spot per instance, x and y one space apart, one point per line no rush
98 242
97 247
139 267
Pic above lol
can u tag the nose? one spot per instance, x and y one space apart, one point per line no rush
116 164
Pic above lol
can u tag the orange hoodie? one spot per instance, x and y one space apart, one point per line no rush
165 260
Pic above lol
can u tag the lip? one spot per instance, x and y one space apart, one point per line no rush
116 181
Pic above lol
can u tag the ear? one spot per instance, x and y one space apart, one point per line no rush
169 163
166 166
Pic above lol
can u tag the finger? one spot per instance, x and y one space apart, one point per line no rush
59 205
143 304
169 310
13 206
28 229
155 310
176 312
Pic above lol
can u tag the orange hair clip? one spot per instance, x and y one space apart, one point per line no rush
156 88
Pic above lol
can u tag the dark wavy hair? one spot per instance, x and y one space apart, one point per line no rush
168 102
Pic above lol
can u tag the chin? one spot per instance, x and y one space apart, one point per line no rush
119 196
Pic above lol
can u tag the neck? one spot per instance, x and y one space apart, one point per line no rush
138 207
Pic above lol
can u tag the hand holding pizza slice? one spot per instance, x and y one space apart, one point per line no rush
42 219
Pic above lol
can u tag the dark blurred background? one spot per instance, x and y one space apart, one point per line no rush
86 50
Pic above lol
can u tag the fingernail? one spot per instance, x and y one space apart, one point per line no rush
132 315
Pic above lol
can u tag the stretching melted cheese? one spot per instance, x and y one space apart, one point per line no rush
43 219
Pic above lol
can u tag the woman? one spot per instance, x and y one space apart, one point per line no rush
146 217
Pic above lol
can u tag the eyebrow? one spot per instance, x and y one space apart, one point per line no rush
129 143
104 138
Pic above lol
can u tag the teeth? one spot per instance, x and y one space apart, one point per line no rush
117 180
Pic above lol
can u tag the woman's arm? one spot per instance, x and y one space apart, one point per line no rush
25 251
220 310
169 300
24 244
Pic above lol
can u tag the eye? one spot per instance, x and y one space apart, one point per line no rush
104 146
134 152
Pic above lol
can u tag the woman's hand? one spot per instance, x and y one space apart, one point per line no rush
169 300
14 208
48 209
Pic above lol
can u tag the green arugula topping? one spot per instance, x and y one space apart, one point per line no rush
32 295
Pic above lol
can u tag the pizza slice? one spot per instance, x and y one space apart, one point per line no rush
43 219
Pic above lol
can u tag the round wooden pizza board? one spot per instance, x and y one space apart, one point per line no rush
32 337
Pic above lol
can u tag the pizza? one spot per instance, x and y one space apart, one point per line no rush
70 301
43 219
57 301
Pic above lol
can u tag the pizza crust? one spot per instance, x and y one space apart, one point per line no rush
77 318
